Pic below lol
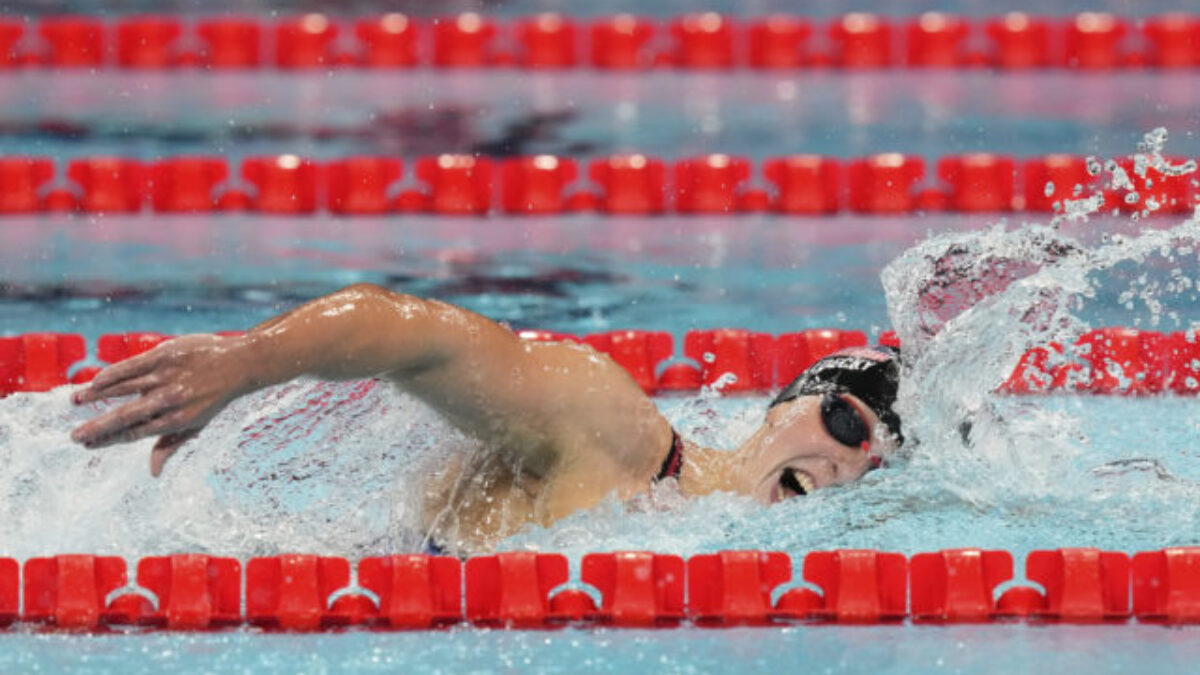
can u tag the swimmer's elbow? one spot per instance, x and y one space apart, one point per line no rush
367 291
374 302
403 333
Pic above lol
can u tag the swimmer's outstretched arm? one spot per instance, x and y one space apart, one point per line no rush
537 400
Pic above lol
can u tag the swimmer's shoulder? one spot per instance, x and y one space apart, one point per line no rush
613 424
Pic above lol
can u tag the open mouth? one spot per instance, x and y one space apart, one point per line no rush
798 483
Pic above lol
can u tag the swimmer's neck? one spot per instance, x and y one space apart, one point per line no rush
706 470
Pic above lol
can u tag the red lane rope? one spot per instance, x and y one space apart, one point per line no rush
626 184
1089 40
635 590
1119 361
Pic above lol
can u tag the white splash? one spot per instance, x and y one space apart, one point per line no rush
302 467
968 305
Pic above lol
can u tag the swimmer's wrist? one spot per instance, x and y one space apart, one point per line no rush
248 364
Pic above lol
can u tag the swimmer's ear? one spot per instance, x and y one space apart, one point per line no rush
166 446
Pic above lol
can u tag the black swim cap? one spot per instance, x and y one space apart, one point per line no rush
872 374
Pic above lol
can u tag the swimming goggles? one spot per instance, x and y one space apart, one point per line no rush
845 423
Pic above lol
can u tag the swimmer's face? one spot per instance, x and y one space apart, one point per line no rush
793 453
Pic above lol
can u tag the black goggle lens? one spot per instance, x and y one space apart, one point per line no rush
843 422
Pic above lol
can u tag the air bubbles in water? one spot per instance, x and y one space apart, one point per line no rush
1153 141
724 381
1119 178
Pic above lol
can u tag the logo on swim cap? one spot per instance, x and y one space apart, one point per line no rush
871 374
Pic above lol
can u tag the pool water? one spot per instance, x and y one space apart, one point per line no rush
583 113
886 649
577 274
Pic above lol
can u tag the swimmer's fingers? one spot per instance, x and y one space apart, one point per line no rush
166 446
135 385
122 425
165 424
128 369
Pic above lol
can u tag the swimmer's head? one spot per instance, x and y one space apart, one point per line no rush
828 427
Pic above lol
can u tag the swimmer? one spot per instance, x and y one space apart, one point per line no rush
564 426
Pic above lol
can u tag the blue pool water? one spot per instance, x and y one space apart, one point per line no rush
584 113
576 274
1093 649
1039 473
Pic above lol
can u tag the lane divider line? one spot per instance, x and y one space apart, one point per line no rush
637 589
1088 41
616 185
1112 361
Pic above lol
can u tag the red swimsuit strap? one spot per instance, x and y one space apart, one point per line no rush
673 464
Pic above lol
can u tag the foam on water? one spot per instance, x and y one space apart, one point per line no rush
336 468
968 305
305 466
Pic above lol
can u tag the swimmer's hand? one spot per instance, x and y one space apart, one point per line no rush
179 387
